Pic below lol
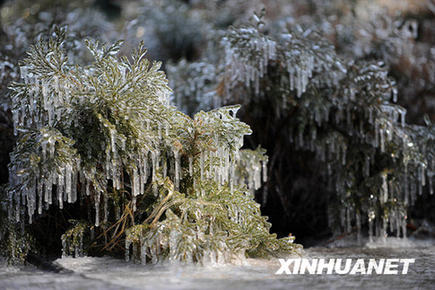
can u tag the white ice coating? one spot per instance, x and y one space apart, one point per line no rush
106 208
190 165
219 163
135 183
54 93
97 209
387 127
300 74
177 176
384 195
68 182
264 169
240 69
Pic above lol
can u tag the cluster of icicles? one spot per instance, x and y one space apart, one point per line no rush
387 122
253 172
73 182
149 247
301 63
238 68
53 95
241 66
219 166
385 130
27 113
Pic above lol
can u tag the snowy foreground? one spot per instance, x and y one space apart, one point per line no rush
109 273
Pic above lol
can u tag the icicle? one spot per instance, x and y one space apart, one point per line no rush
371 217
423 176
44 150
177 169
154 159
40 196
48 188
402 117
264 169
97 209
31 202
190 165
384 188
87 187
113 141
127 250
68 182
232 176
60 182
394 91
135 183
257 177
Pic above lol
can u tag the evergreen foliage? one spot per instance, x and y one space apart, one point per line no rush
104 135
342 110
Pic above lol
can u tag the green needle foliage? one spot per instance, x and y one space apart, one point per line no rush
101 145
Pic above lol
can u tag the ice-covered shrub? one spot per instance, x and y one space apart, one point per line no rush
104 137
340 109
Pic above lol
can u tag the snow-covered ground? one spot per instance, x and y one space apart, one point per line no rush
110 273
